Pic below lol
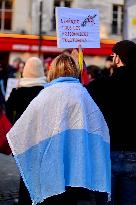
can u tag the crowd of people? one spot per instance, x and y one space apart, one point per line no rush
72 132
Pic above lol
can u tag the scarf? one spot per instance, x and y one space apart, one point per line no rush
62 140
30 82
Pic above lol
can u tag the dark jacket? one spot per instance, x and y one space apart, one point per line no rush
116 98
19 100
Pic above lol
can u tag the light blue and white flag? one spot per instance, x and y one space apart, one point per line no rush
62 140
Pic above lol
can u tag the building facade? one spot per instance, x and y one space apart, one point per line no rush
23 17
17 16
111 15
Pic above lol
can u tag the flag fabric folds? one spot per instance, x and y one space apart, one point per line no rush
62 140
82 66
84 75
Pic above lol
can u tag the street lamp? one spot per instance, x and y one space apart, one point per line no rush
40 26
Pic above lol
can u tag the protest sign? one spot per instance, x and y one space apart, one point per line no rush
77 27
11 83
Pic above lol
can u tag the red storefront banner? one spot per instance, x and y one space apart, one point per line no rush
30 43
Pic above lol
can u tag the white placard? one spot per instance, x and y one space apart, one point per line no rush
77 27
11 83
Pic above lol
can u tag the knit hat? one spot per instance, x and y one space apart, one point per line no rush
33 68
126 50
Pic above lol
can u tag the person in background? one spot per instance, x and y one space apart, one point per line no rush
94 72
2 82
47 63
61 142
5 126
31 83
20 69
12 76
12 69
123 147
115 97
108 70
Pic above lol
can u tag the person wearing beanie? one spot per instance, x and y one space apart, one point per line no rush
115 97
33 68
29 86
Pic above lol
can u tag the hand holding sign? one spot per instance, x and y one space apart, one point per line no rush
74 55
77 55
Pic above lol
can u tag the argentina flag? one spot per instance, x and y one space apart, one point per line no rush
62 140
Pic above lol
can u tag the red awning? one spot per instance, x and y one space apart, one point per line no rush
29 43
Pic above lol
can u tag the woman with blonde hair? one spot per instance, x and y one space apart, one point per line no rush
61 141
63 66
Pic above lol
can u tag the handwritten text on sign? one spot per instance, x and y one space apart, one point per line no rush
77 26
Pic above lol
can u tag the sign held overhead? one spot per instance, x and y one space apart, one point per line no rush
77 26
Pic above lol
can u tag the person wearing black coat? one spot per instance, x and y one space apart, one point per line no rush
29 86
116 98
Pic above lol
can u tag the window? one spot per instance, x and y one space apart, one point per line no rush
58 3
5 14
117 19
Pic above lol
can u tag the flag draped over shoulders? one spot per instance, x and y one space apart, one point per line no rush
62 140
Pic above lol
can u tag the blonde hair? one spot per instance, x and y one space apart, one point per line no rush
62 66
